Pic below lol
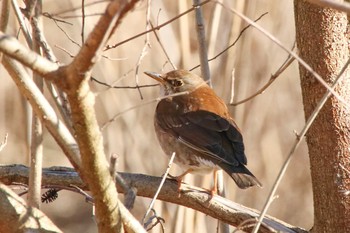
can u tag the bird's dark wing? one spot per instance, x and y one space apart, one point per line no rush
209 133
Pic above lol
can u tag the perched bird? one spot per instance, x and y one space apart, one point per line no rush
195 123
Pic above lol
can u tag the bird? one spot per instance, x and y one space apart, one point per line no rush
191 121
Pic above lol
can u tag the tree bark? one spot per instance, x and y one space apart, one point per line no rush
322 39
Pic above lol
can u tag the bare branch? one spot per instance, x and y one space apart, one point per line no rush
123 87
192 197
14 49
36 147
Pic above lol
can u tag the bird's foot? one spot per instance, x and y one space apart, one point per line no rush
213 191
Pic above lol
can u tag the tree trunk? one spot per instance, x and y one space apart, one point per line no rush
322 39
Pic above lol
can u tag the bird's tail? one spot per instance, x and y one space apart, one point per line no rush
241 175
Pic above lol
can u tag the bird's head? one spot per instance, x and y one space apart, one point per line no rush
177 81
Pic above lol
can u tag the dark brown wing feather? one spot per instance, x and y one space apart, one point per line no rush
208 132
216 139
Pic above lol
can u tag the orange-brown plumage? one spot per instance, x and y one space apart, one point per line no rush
197 126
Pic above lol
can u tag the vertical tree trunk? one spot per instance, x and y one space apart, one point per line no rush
321 36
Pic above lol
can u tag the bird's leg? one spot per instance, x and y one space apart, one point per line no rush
181 177
214 189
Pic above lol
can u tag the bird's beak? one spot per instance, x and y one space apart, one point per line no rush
156 76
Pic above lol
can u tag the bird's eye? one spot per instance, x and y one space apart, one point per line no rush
176 83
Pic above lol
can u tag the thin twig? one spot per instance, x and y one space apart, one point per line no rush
80 15
145 46
156 28
82 21
129 193
58 96
73 188
110 86
273 77
163 48
21 22
113 160
4 142
139 105
221 226
159 188
184 37
88 197
65 33
214 28
114 59
293 54
233 43
123 87
159 220
65 51
39 37
48 15
72 9
232 85
296 145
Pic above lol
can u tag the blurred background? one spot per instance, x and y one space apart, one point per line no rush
268 122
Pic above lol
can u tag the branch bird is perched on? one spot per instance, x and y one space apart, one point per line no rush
199 129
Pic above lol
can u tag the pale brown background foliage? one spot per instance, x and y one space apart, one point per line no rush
267 122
